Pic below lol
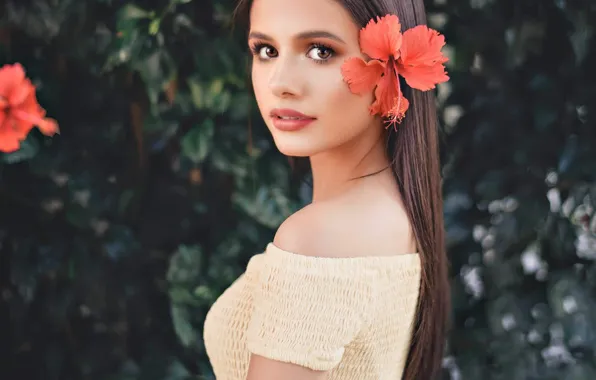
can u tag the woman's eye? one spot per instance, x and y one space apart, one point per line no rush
266 52
320 53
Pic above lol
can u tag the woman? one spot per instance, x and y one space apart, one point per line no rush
354 285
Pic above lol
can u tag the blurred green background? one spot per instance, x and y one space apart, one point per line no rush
117 235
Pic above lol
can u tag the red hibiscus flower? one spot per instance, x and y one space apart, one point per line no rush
415 55
19 110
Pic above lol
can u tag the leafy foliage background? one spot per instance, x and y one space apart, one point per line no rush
117 235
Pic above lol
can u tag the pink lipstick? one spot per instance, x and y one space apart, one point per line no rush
290 120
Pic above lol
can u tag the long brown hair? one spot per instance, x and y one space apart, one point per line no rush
414 150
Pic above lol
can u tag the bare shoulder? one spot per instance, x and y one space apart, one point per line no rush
356 225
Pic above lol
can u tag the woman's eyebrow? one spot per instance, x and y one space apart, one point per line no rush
301 36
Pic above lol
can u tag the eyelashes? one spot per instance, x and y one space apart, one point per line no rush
257 48
265 52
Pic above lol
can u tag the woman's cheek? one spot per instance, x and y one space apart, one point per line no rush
349 111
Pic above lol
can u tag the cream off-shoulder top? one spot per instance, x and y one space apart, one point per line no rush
352 316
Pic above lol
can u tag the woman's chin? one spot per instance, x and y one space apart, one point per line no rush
295 152
294 147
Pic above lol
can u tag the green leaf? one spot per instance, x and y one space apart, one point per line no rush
185 265
216 87
154 26
197 92
269 206
157 70
212 96
79 216
177 371
242 103
183 297
197 142
125 200
133 12
222 102
204 293
182 325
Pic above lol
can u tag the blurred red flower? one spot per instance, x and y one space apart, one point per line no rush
19 110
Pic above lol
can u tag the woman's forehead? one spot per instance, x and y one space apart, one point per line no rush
288 18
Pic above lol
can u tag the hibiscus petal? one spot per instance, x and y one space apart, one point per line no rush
424 78
361 76
381 39
422 46
8 143
26 121
9 140
421 61
11 76
3 119
48 126
30 113
20 128
390 101
21 92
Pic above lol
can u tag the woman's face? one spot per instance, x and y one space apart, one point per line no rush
299 48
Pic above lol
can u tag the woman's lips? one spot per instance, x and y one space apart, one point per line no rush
290 120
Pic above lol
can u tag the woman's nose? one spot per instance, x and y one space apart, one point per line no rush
285 80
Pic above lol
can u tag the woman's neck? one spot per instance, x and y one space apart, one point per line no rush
333 170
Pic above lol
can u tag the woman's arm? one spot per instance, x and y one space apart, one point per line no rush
261 368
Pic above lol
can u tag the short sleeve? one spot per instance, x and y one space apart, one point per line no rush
306 310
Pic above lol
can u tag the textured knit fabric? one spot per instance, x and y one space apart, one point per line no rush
351 316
